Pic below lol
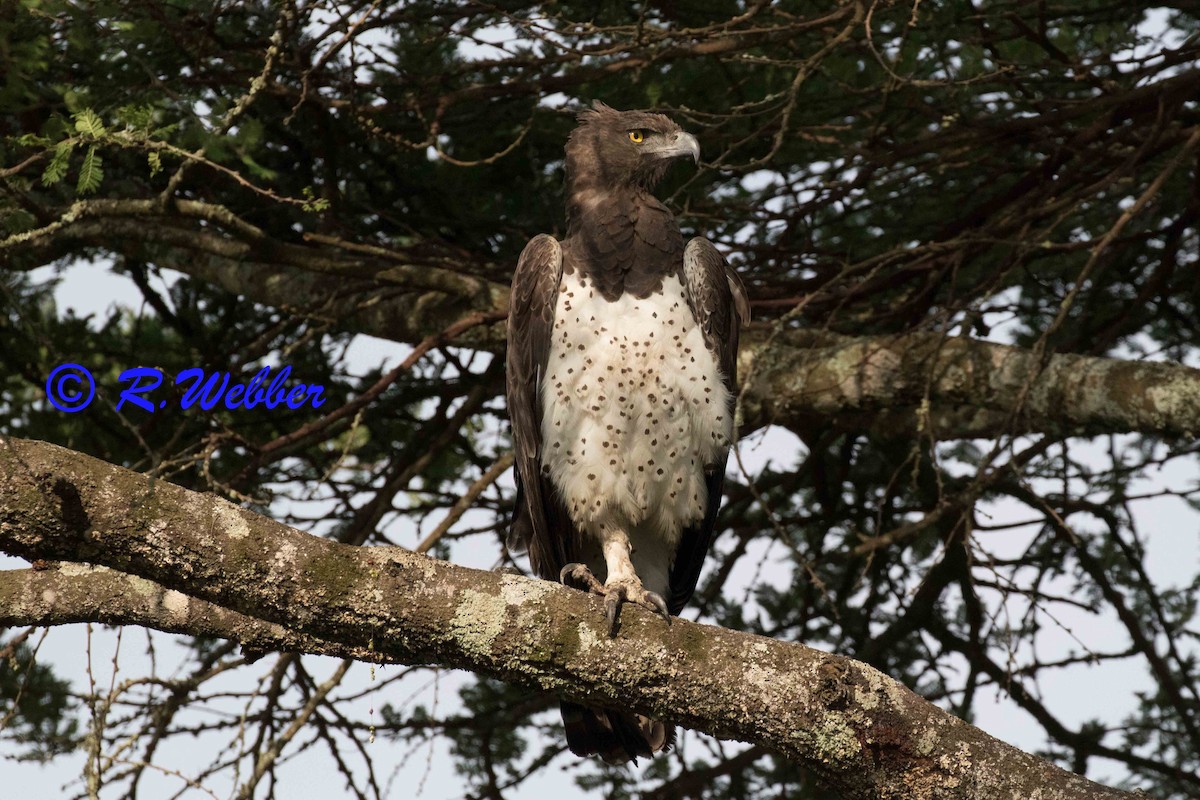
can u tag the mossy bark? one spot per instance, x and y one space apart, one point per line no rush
195 563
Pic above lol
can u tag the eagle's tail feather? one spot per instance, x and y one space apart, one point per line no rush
615 736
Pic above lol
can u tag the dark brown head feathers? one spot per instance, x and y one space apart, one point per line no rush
613 149
603 114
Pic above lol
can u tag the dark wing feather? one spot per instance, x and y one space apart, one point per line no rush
718 301
616 736
540 522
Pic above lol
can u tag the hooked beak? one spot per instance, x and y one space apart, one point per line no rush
679 145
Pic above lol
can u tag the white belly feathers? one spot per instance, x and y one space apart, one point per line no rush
634 407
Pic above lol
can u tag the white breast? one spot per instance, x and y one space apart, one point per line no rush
634 409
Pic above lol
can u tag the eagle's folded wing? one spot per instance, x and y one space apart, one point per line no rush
719 304
538 517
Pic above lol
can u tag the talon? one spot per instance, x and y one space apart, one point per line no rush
655 599
617 594
612 610
578 576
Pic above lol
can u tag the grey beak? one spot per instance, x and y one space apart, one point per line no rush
681 144
688 145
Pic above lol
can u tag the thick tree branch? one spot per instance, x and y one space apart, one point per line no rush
953 386
61 593
385 293
866 735
959 388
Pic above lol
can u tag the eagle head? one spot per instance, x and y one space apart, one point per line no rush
625 148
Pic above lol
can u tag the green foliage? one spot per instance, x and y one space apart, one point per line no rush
90 130
90 172
137 117
57 168
39 712
88 125
489 743
312 203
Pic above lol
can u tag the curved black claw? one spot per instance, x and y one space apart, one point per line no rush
578 576
660 605
620 593
612 610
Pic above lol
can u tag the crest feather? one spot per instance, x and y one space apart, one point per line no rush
599 109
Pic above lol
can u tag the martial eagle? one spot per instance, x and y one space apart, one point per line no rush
622 348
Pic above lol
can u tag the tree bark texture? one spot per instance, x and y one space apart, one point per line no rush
951 386
182 561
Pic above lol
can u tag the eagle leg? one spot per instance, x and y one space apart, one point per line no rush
615 592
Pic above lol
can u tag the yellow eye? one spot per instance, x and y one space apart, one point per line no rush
635 137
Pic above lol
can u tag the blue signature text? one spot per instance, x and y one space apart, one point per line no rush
71 388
